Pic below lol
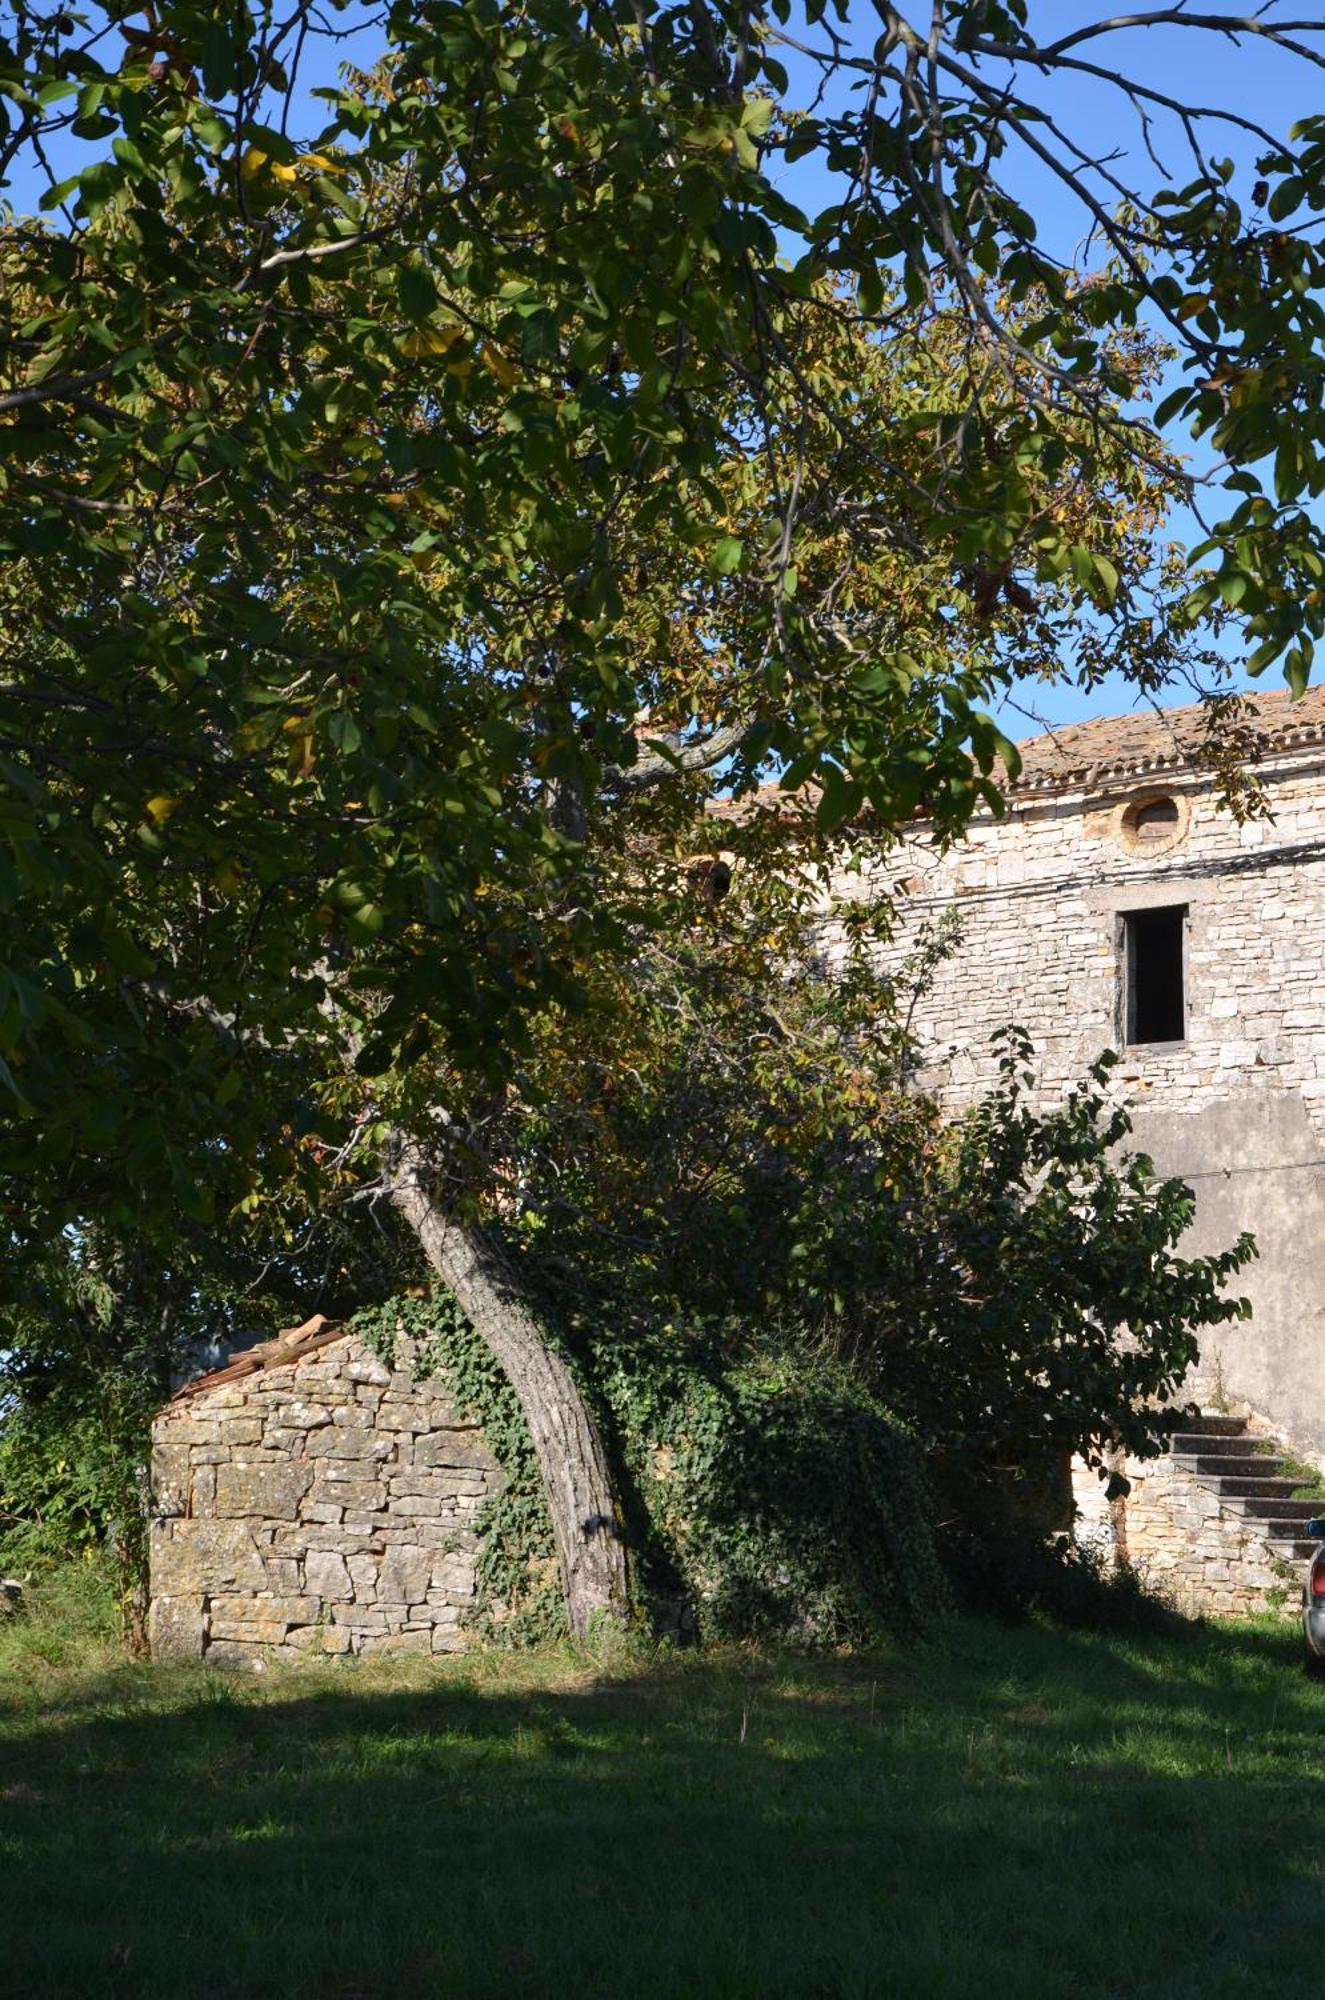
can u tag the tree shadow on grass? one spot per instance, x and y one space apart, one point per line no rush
1019 1813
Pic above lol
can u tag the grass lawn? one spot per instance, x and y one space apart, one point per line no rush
1002 1813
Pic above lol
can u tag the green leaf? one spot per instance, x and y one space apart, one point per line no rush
416 292
344 732
1108 577
218 60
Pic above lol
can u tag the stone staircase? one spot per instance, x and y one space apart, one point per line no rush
1251 1480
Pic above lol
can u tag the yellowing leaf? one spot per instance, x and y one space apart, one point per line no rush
161 807
497 364
255 161
432 339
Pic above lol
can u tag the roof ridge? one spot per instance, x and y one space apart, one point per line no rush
1162 739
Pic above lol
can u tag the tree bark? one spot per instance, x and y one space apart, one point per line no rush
570 1452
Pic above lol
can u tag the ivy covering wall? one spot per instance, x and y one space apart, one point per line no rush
760 1500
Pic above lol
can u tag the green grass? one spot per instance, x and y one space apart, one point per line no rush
1002 1813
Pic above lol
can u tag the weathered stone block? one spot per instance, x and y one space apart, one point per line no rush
193 1558
352 1417
175 1628
241 1430
404 1574
429 1485
397 1642
185 1430
342 1540
250 1631
326 1575
271 1490
302 1416
319 1638
367 1368
454 1573
361 1617
170 1478
393 1416
461 1449
344 1444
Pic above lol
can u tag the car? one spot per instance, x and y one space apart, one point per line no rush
1313 1606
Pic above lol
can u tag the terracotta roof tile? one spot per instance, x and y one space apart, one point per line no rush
292 1343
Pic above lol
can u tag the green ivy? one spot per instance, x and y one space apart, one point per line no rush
517 1578
765 1500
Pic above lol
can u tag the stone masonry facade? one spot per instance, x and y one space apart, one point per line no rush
1235 1104
315 1501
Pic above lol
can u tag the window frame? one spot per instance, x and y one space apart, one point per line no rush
1127 974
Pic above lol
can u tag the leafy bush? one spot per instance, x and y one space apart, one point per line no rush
73 1471
747 1151
782 1501
68 1616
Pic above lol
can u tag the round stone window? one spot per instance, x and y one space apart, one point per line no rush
1153 822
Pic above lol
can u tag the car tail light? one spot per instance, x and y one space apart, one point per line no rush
1316 1584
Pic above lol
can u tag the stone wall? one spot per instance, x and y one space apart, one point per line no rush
1238 1108
1206 1561
327 1504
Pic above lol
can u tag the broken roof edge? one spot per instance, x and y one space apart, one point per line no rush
291 1345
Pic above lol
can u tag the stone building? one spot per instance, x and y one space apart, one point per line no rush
1117 905
309 1497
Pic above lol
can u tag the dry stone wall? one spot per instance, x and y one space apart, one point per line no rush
1207 1562
328 1505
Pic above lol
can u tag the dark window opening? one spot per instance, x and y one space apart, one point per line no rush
1156 1001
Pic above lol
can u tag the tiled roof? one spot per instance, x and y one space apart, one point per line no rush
1164 739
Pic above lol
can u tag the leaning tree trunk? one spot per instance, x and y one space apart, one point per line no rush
569 1450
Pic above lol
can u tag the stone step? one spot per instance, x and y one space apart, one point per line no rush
1213 1423
1260 1466
1200 1444
1299 1511
1299 1550
1248 1488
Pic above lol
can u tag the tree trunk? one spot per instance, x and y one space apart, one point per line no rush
570 1453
